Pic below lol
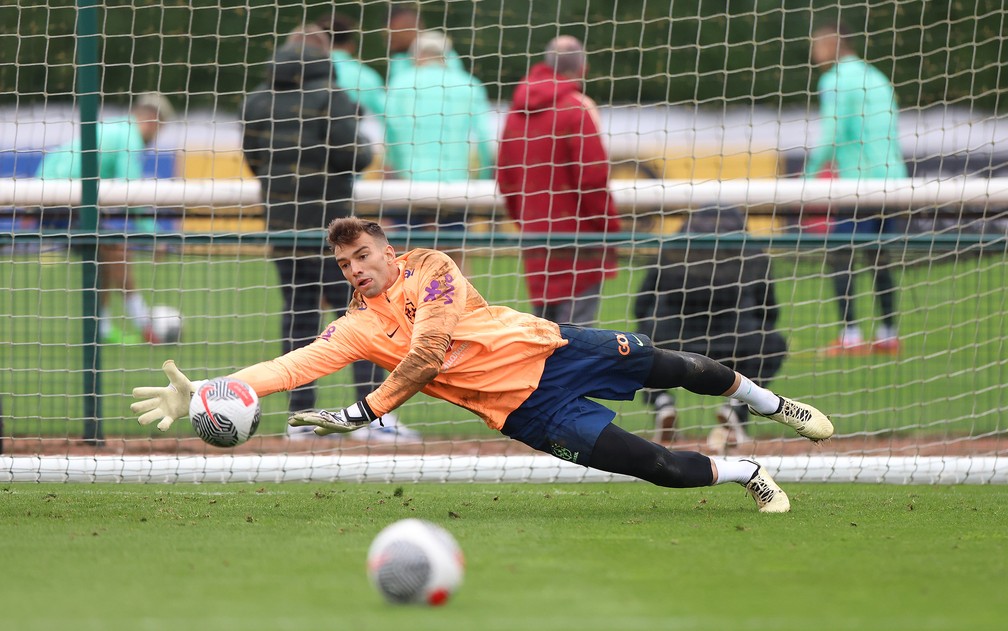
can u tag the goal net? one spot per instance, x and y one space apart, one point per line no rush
758 215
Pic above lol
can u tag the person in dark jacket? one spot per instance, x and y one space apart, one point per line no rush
716 300
301 140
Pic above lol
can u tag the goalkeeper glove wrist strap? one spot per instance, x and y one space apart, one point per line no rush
360 413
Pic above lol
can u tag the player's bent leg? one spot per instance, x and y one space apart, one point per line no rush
696 373
619 451
703 375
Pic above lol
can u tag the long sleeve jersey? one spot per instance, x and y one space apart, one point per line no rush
859 123
435 334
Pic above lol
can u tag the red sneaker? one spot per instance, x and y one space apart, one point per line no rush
841 348
888 346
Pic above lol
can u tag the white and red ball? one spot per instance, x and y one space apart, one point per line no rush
413 561
224 412
165 324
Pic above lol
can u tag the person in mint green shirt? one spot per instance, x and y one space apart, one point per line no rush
404 25
121 145
358 81
858 118
435 118
120 150
859 121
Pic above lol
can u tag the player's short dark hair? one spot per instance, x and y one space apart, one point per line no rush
340 28
346 230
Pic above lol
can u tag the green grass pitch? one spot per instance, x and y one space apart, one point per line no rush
587 557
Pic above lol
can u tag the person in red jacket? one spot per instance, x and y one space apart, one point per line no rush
553 172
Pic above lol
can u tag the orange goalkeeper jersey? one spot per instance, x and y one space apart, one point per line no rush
435 334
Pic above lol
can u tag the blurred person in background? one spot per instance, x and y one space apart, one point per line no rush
553 171
404 25
859 121
436 119
301 140
121 145
716 300
361 83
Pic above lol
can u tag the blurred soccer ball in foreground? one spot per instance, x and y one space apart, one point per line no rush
413 561
224 412
166 324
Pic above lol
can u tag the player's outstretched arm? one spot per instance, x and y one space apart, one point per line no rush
167 403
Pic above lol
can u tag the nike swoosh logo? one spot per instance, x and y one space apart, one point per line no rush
390 335
637 339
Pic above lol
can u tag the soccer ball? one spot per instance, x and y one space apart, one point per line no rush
166 324
224 412
413 561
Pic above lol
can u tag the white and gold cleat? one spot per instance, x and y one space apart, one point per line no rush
770 498
803 418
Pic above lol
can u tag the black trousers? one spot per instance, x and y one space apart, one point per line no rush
842 263
305 281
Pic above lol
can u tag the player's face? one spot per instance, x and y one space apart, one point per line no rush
368 264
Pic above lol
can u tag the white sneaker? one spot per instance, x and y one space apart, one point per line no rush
803 418
717 440
728 417
388 429
665 423
770 498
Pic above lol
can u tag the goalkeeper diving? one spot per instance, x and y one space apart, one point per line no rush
416 316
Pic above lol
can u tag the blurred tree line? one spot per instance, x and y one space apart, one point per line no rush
705 52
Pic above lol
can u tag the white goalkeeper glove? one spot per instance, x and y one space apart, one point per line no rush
342 421
166 404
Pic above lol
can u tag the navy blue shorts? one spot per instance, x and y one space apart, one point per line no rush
559 418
